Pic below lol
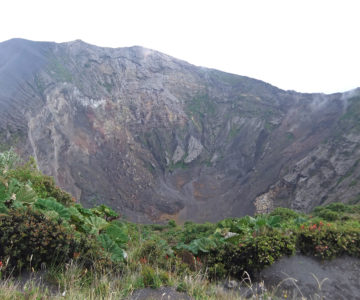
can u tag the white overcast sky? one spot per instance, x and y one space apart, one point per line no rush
307 46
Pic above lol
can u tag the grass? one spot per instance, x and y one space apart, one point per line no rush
72 285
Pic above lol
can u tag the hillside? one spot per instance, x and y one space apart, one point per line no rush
157 138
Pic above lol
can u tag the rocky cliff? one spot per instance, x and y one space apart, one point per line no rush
155 137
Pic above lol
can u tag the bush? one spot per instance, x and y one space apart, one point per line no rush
327 241
338 207
29 239
336 211
155 252
285 213
249 255
328 215
172 223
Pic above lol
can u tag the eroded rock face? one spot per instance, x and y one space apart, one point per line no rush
194 149
178 154
155 137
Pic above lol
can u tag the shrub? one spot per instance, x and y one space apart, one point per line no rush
338 207
285 213
336 211
172 223
327 241
29 239
328 215
155 252
250 255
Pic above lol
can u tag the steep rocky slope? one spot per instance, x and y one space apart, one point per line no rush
155 137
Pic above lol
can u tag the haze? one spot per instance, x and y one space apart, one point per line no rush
307 46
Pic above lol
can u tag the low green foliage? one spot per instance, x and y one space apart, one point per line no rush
285 213
327 240
41 224
202 244
152 278
192 231
250 255
110 246
328 215
29 239
154 251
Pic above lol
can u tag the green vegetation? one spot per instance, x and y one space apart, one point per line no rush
41 224
179 165
60 71
91 253
201 106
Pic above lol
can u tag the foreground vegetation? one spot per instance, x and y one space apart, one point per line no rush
92 253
